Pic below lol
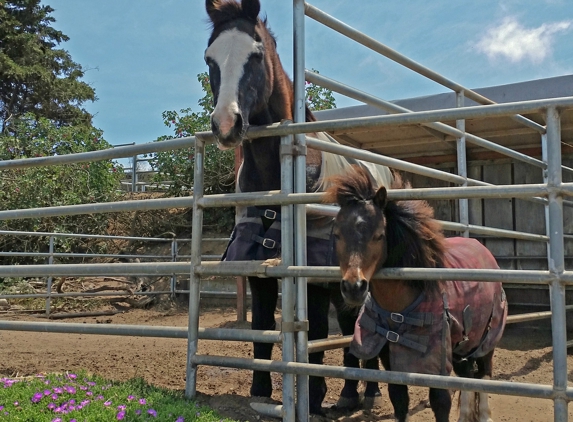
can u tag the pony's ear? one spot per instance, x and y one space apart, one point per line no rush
380 198
251 9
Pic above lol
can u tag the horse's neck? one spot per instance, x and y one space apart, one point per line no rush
393 295
261 157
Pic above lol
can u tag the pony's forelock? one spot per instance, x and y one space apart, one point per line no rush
353 186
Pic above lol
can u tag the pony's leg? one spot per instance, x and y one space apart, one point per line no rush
484 370
349 398
441 404
398 393
319 302
264 294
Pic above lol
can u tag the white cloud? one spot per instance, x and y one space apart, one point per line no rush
517 43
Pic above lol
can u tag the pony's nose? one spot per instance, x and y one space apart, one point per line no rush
354 292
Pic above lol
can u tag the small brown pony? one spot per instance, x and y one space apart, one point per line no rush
415 326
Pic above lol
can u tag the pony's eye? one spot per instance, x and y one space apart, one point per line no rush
379 238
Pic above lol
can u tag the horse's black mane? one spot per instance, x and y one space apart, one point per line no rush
413 237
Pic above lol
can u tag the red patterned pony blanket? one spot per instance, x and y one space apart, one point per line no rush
466 319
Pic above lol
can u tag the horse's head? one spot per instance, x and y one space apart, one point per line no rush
359 230
238 67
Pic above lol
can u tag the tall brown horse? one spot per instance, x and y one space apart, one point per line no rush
415 326
250 87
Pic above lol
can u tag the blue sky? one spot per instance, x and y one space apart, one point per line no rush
143 56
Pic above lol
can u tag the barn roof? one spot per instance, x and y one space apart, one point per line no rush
415 143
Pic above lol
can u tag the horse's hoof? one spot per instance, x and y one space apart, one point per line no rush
370 402
261 391
347 403
318 411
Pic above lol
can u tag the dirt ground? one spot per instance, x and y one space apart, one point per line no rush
524 356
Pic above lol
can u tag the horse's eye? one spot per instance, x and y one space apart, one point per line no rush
379 238
336 236
257 57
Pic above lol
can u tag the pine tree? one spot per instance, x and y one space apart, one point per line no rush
35 75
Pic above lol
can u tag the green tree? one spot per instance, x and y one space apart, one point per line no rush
55 185
35 76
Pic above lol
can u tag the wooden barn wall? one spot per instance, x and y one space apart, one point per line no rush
510 214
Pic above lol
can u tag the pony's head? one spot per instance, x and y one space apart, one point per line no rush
359 230
239 63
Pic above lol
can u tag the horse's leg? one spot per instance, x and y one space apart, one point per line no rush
398 393
474 407
441 404
318 304
484 370
264 294
349 398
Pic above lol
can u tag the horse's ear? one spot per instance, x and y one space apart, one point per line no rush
380 198
251 9
212 9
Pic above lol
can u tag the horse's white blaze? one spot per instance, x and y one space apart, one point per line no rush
484 409
465 397
231 51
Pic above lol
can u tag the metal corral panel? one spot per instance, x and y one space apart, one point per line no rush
416 144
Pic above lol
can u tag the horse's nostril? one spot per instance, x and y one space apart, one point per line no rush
363 285
238 122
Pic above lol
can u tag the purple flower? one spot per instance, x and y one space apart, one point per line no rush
54 397
91 383
142 401
121 415
86 402
107 403
89 393
1 407
70 390
37 397
58 390
72 401
52 406
152 412
72 376
83 387
180 419
130 398
138 412
47 392
100 397
57 420
16 403
121 407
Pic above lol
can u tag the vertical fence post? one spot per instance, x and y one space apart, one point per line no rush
195 279
134 174
463 203
173 276
302 381
49 286
288 283
557 264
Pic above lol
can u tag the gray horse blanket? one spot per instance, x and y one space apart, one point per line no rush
251 241
466 319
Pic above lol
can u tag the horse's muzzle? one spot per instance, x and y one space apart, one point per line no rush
229 136
354 293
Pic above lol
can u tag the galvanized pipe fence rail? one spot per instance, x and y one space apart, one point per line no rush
174 256
292 199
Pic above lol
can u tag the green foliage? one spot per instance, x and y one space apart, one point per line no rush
178 166
55 185
35 76
319 98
